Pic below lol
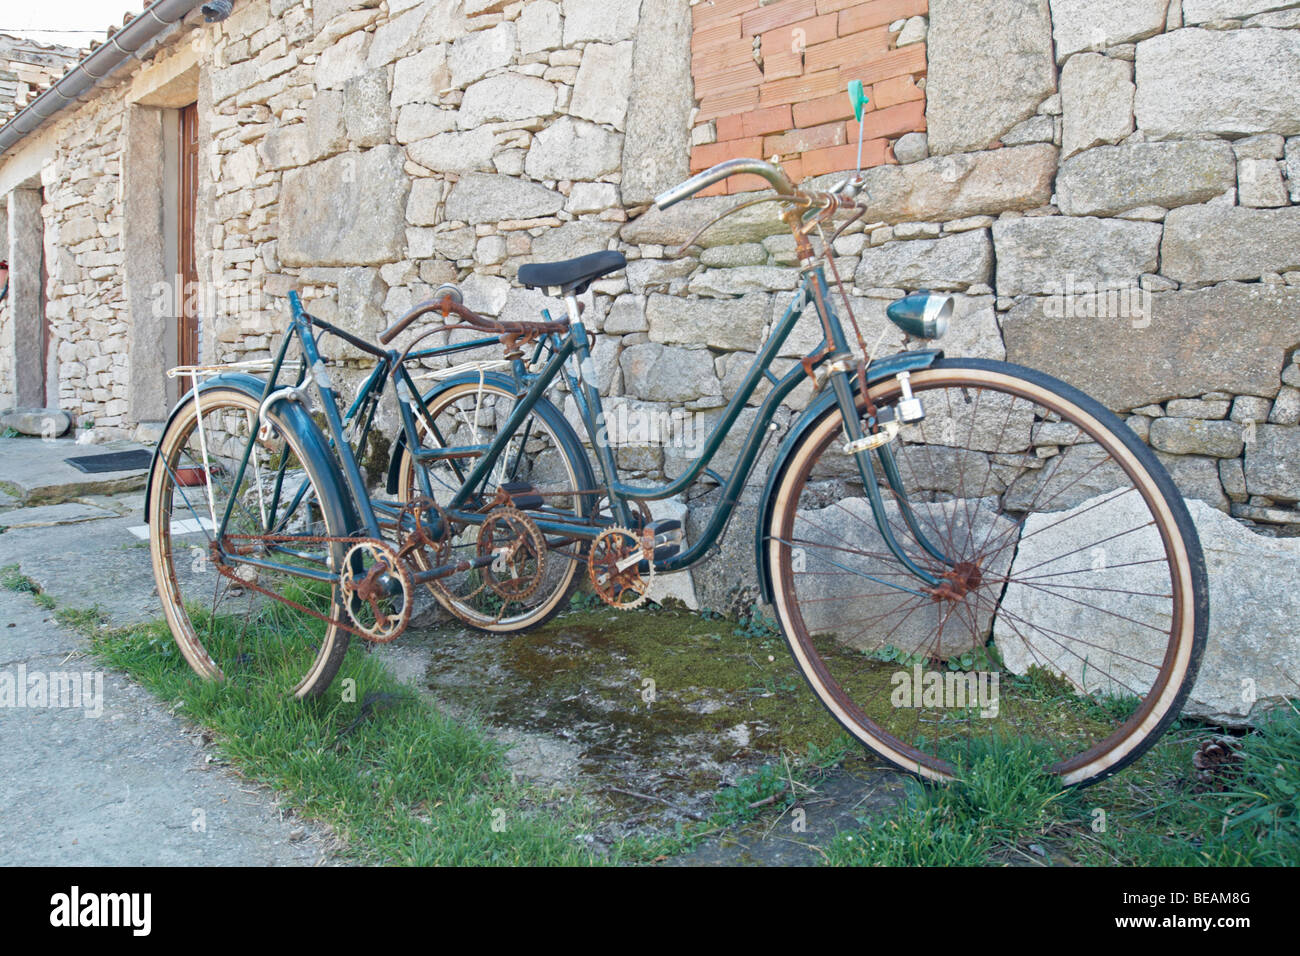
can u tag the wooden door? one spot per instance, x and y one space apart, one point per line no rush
187 323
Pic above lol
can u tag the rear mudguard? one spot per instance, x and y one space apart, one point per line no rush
544 409
290 415
876 372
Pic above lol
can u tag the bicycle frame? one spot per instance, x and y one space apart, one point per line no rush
359 417
812 290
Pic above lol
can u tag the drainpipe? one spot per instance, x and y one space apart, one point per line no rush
119 48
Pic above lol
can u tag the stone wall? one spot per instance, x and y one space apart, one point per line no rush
7 397
83 214
1118 209
366 151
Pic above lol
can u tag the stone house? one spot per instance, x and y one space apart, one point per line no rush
1111 189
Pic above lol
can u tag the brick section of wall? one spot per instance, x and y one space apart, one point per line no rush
771 80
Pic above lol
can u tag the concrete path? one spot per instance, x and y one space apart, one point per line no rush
119 781
134 785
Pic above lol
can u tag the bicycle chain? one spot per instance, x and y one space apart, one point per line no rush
230 571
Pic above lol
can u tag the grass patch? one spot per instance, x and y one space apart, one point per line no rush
81 619
397 781
1005 809
13 579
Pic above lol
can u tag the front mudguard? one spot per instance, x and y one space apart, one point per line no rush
877 371
291 415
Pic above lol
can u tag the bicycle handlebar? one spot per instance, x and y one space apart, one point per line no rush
732 167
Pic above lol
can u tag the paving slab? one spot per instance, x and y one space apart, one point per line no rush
35 470
93 563
118 780
44 516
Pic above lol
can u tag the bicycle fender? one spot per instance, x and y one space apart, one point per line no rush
292 416
876 372
544 408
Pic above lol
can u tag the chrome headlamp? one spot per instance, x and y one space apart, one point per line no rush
922 315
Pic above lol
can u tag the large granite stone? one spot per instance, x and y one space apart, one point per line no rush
1232 83
1096 100
606 21
1088 25
1042 254
951 263
506 97
1252 647
481 197
349 209
660 373
39 422
1179 351
1273 462
990 67
1203 11
942 188
1204 244
720 323
1109 180
656 150
604 83
574 149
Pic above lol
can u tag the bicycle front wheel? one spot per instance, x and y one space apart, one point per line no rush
1070 608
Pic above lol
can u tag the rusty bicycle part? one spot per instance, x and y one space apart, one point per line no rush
377 590
519 553
549 463
412 532
246 576
613 564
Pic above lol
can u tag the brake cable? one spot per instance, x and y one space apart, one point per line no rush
828 251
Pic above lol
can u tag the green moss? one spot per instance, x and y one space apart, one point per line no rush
588 665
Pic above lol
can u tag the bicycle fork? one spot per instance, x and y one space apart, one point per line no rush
861 445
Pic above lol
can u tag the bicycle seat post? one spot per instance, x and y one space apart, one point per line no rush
575 311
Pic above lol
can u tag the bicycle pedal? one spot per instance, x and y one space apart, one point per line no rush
523 495
667 537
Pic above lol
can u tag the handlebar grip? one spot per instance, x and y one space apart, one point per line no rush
447 289
732 167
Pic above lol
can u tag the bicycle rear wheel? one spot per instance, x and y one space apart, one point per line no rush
543 452
1071 608
226 624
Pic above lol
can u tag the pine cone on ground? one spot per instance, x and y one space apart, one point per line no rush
1216 762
